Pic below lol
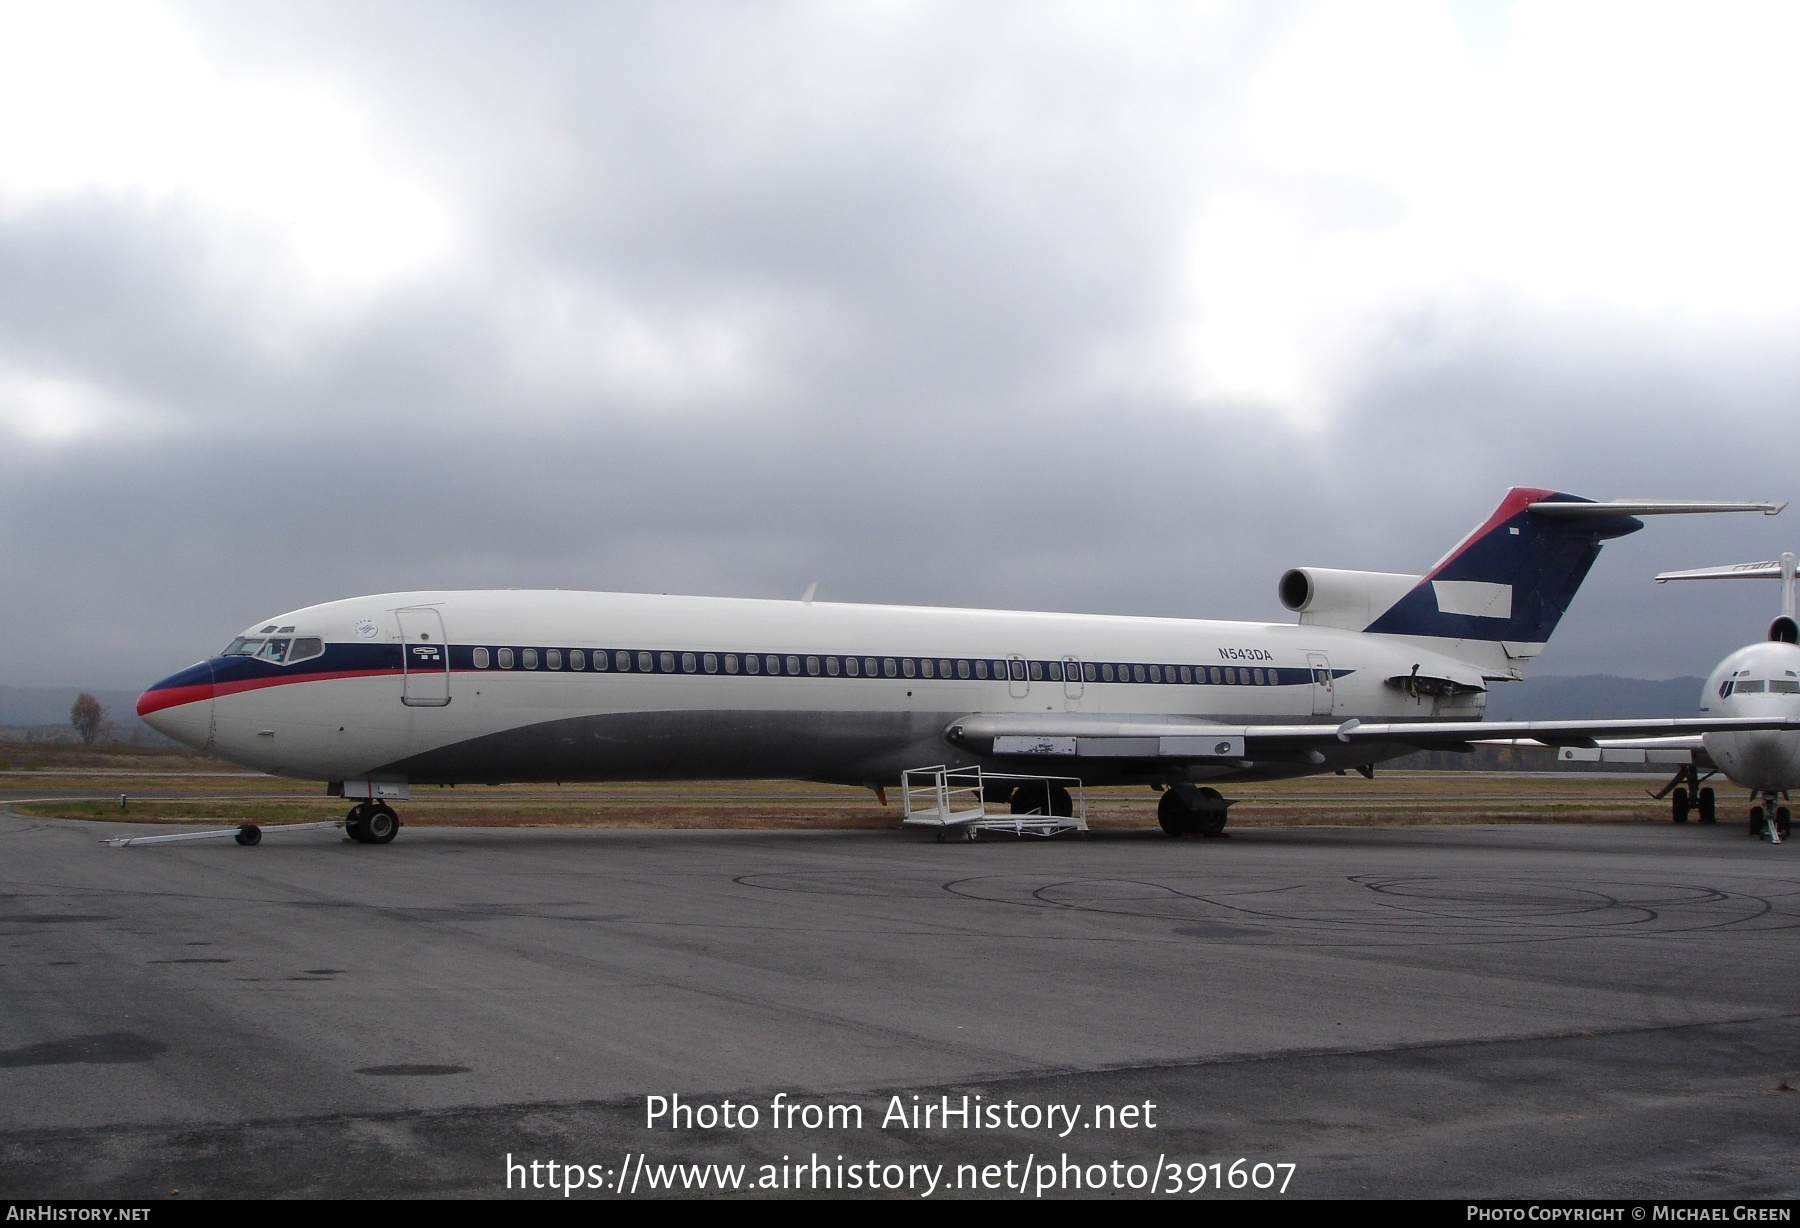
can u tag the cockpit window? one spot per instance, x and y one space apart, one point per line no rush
1784 686
274 650
243 646
305 648
1747 686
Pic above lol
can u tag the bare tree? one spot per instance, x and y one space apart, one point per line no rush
89 718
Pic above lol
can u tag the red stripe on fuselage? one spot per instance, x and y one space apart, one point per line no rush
172 697
175 696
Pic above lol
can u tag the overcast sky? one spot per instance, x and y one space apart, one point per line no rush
1105 307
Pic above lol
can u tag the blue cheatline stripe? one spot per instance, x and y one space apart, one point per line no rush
468 658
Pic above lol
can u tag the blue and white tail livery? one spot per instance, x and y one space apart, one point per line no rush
1493 600
375 694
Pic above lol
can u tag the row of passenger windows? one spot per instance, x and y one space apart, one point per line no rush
779 665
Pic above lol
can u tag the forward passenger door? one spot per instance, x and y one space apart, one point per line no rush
424 658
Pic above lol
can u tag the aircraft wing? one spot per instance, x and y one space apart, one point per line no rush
1071 735
1682 748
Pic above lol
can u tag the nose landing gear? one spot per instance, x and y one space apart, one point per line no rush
371 823
1770 820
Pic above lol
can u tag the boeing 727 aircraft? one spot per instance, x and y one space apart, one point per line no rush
376 694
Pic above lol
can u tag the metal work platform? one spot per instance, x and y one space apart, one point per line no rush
955 801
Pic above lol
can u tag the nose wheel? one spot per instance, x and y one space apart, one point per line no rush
371 823
1770 820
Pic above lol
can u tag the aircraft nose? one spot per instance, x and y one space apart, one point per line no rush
1761 752
180 706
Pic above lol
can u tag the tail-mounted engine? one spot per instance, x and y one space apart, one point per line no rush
1351 600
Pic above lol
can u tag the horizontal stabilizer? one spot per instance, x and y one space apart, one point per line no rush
1653 507
1770 570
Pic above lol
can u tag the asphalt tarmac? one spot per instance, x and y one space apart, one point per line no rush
1492 1011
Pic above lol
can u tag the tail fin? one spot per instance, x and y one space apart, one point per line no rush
1496 597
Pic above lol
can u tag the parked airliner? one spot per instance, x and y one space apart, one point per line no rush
376 694
1759 680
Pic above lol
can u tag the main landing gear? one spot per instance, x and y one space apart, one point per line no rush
1046 799
371 823
1186 810
1771 819
1686 796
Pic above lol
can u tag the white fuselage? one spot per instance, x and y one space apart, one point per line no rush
1762 680
849 693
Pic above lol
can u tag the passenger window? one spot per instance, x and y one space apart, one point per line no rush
812 666
688 663
793 667
274 650
752 663
667 660
731 665
1106 671
831 666
1035 670
927 668
906 666
962 669
1259 677
1187 674
710 662
577 659
889 667
553 658
601 658
852 666
306 648
999 670
1156 673
869 666
944 668
1213 674
530 657
505 656
981 670
1015 669
622 660
1137 673
1090 672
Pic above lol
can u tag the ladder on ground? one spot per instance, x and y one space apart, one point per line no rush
953 801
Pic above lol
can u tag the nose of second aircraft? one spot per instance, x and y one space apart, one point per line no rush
180 706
